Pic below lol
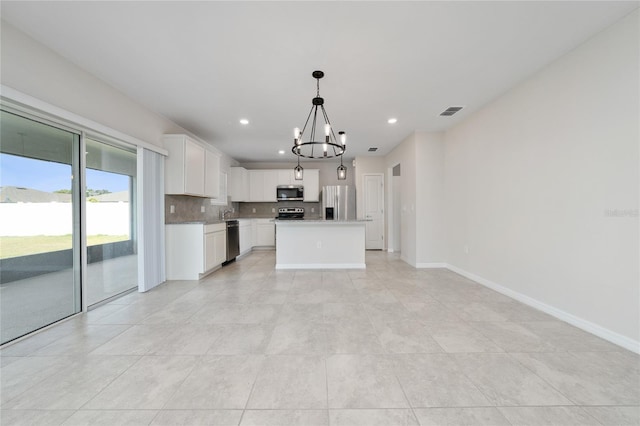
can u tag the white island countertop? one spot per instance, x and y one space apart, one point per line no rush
320 244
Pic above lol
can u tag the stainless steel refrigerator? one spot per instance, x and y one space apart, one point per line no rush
339 202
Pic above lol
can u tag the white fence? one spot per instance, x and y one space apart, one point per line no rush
28 219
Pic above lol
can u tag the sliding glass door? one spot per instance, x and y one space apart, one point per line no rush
39 225
112 260
44 244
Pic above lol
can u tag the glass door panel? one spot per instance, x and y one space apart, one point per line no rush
39 229
112 259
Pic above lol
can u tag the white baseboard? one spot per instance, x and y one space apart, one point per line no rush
588 326
431 265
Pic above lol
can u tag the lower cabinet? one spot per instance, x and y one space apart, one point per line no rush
194 249
246 235
215 246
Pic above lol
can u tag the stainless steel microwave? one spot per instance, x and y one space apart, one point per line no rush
290 193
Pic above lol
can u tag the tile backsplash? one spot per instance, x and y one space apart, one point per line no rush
189 209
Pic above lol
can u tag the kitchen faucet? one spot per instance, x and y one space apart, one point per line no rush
225 212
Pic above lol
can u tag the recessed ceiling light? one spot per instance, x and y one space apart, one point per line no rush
244 121
281 152
392 120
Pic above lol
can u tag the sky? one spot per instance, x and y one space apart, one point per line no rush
49 176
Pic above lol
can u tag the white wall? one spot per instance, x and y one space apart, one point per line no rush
36 70
405 155
530 180
430 227
394 218
33 69
421 196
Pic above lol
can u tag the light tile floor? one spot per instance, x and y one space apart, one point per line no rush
249 345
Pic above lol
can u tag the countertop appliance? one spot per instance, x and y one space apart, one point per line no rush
233 240
338 202
290 213
290 193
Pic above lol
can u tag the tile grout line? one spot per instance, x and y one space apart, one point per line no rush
413 412
510 354
326 376
111 381
255 379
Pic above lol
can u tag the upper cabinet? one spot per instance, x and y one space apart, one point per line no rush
212 175
190 168
238 184
262 185
311 183
285 177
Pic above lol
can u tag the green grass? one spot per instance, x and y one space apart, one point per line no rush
23 246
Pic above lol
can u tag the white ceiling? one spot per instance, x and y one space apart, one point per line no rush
205 65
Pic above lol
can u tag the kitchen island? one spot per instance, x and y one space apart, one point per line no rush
320 244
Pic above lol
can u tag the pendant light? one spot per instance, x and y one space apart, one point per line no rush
298 172
342 170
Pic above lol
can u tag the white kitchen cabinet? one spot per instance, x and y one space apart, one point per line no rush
212 175
265 233
215 248
190 169
285 177
238 184
256 185
270 185
262 185
194 249
222 192
184 171
254 232
311 183
246 235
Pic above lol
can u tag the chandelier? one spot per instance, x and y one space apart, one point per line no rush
329 147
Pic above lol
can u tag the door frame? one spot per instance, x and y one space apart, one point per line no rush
384 207
391 217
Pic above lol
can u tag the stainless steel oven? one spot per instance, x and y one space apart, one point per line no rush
290 213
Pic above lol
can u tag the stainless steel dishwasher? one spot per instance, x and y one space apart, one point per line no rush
233 240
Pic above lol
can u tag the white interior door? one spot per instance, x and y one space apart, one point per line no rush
373 210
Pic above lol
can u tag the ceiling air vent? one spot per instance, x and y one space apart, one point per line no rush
373 149
450 111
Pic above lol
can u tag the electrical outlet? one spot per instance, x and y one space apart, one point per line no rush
466 249
253 210
172 209
273 210
313 209
202 209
